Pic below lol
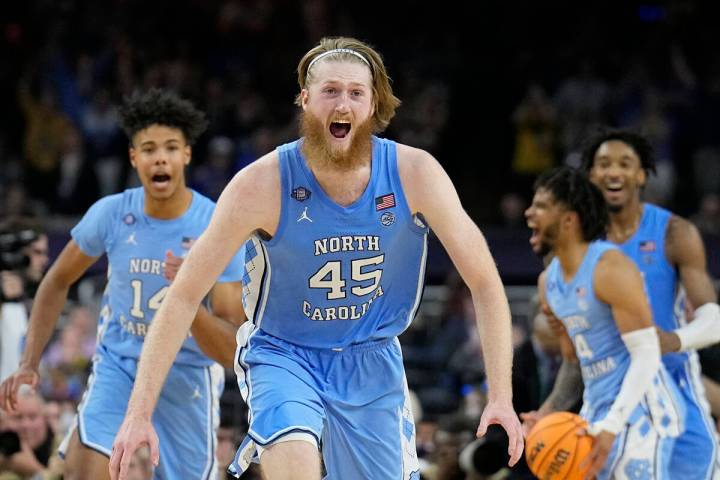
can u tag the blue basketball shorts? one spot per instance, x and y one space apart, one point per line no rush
695 456
353 403
186 416
639 452
643 449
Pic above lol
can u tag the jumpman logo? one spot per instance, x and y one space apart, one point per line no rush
131 239
196 393
304 216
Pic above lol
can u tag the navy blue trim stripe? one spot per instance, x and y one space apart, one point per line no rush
620 450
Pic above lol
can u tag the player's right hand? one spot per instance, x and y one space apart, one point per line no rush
172 265
553 322
529 419
24 375
595 461
133 434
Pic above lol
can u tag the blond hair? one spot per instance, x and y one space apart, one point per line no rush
384 101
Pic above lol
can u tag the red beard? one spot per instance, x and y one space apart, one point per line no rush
320 154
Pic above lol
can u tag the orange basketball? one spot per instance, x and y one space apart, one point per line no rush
553 448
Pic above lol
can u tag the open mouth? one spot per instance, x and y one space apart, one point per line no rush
613 192
340 129
534 237
160 179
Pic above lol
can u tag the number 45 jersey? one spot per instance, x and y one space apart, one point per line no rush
333 276
135 244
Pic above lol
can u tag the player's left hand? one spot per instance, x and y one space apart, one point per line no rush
134 433
172 265
504 415
595 461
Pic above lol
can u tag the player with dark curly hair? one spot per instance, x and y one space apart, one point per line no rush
145 232
670 253
632 406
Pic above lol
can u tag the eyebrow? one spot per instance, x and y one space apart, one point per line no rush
352 84
152 142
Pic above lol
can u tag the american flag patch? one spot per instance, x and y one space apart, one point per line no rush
384 201
187 242
647 246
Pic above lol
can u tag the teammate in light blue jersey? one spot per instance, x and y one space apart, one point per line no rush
632 406
669 252
142 231
337 223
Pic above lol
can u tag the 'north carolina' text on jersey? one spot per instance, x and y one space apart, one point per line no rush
135 244
603 356
333 276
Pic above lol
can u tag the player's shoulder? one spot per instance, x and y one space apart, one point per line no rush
542 278
415 157
609 253
679 227
612 263
683 241
415 164
264 168
257 181
116 202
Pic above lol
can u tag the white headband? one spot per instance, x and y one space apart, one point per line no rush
337 50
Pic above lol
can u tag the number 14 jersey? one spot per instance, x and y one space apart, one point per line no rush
135 244
333 276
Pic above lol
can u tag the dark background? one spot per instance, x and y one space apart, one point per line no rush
462 69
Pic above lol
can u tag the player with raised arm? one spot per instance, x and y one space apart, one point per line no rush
337 223
632 406
140 230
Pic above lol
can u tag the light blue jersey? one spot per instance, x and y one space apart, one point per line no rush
322 280
695 455
135 244
604 361
647 249
327 296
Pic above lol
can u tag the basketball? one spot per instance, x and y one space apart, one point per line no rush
553 449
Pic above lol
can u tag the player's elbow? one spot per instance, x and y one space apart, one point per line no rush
644 346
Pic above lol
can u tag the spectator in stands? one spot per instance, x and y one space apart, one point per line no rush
37 457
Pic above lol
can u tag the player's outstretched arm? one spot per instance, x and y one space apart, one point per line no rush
49 301
249 202
684 248
430 192
568 387
618 283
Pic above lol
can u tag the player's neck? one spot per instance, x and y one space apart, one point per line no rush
571 255
168 208
624 223
343 186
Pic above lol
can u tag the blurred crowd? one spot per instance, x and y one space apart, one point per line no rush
495 106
